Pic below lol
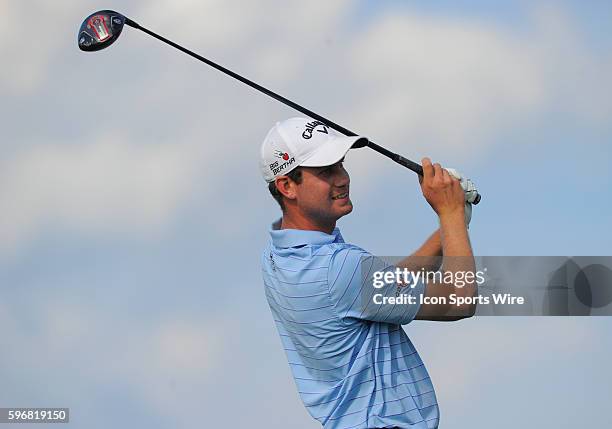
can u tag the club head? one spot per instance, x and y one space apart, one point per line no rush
100 29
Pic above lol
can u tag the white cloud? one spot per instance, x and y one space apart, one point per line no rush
578 75
457 85
226 23
33 39
26 53
184 347
166 363
458 363
275 38
444 81
169 367
107 185
210 22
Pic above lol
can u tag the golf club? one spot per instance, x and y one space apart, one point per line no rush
101 29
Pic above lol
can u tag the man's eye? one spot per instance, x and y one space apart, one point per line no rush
331 168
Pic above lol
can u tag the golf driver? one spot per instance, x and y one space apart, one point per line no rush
101 29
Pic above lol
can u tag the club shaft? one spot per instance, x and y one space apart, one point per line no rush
397 158
394 156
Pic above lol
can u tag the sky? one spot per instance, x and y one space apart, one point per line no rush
134 214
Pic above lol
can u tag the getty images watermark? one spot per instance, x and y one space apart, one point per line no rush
504 286
403 277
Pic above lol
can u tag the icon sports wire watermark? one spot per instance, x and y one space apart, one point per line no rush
505 286
34 415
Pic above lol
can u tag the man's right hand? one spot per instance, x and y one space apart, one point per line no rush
442 191
446 196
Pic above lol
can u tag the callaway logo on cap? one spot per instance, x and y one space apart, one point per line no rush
302 141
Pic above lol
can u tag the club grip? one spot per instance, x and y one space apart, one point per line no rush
417 168
409 164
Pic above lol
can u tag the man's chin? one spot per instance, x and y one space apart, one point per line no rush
346 208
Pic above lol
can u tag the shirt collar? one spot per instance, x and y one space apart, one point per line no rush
284 238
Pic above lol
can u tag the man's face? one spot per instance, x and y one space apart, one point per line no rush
323 194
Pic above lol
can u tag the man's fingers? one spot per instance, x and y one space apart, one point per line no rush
457 184
438 171
446 178
454 173
428 171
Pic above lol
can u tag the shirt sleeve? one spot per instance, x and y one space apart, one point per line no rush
358 290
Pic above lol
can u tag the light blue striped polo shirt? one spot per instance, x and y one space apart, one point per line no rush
353 364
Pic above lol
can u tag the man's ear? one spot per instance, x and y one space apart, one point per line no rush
286 187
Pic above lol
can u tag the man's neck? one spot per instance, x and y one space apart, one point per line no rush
293 221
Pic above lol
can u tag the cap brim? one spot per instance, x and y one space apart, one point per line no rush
334 151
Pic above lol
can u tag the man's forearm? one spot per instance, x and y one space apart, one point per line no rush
458 260
458 256
454 237
427 257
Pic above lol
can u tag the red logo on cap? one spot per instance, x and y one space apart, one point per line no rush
282 155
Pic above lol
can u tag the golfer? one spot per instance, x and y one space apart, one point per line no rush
353 364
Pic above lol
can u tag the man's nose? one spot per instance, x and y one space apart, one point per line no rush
342 177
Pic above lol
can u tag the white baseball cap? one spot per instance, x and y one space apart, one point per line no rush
302 142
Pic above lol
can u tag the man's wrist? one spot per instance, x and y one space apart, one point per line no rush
453 224
452 216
